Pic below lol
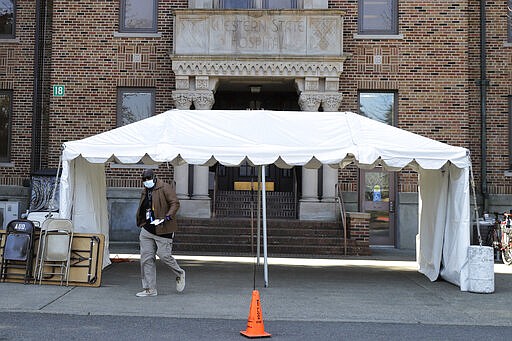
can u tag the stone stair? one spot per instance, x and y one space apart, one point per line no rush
285 237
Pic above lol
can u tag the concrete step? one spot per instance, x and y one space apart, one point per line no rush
284 236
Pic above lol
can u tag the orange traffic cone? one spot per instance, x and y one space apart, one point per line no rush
255 326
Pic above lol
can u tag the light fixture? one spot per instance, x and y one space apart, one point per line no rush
255 89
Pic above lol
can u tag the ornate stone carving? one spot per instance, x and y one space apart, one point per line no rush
312 84
182 99
202 83
224 67
331 102
310 101
203 100
182 83
263 32
332 83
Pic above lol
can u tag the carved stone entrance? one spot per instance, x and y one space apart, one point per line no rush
250 50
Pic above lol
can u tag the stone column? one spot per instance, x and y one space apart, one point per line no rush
203 100
182 99
181 178
309 101
330 178
200 187
309 185
331 101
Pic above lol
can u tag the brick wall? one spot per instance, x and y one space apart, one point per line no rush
428 68
359 232
499 74
16 74
433 69
92 62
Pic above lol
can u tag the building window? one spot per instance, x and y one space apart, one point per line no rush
236 4
134 104
5 125
138 16
266 4
379 106
7 19
279 4
378 17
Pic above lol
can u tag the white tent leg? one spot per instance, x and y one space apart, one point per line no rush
263 198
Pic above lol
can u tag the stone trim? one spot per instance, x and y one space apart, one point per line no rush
136 82
194 66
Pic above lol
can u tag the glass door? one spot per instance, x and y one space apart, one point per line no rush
377 187
378 199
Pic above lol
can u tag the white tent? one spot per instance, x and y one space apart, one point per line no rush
287 139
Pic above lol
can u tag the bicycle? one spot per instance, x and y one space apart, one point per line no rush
500 237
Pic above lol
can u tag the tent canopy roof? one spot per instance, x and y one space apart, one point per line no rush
265 137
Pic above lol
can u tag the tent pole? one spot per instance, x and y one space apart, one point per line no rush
477 218
263 198
54 190
258 238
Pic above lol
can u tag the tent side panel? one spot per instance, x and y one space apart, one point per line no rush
84 199
457 230
433 196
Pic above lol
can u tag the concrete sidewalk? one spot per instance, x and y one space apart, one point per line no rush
385 287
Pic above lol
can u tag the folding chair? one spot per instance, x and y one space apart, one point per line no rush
54 251
18 250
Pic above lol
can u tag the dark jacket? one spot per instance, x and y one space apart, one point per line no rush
165 203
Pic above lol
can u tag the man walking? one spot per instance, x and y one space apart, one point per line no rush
156 216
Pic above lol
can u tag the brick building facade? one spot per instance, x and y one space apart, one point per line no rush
429 62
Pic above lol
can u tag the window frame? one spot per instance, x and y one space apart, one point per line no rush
394 24
7 157
122 17
13 34
250 5
255 4
293 5
394 117
122 90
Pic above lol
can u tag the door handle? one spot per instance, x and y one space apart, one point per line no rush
391 207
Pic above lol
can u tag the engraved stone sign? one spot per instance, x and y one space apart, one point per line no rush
282 33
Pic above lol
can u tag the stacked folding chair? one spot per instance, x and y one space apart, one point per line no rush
17 253
54 250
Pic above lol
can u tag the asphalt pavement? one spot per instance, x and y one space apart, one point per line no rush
383 288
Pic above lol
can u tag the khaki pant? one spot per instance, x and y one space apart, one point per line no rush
150 246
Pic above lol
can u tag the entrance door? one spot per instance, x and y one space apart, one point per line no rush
237 178
377 187
377 197
231 184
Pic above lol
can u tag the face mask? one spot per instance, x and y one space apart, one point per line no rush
149 183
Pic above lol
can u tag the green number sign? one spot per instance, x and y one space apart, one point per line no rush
58 90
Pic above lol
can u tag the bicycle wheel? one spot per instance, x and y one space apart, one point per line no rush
506 255
492 238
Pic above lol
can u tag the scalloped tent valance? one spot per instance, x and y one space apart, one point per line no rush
265 137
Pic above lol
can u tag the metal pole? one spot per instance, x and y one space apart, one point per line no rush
484 83
258 233
263 198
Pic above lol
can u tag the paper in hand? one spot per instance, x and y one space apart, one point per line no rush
157 221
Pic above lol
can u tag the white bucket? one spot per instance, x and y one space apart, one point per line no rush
481 269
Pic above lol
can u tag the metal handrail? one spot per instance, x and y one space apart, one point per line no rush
341 207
